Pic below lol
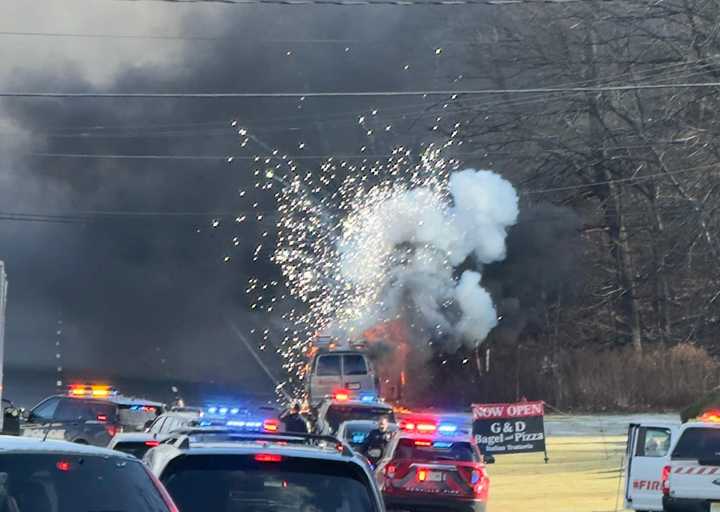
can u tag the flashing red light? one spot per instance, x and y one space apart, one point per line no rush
390 470
665 478
341 395
63 465
102 417
422 475
426 427
407 426
87 390
271 425
152 443
711 416
423 443
112 430
268 457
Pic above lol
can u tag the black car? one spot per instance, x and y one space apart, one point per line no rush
88 419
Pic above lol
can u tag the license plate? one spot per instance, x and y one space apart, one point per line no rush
436 476
714 507
353 385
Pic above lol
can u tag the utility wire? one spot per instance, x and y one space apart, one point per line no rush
346 94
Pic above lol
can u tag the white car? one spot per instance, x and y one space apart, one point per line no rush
225 470
691 480
648 452
60 476
137 443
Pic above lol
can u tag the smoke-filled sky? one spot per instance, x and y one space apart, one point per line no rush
133 291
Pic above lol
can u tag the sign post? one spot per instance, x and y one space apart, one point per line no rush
510 428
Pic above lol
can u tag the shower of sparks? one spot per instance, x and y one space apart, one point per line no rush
319 213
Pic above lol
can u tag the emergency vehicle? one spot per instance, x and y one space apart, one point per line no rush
691 479
334 367
434 464
647 452
344 405
255 472
88 414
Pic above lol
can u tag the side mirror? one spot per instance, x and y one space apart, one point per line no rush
489 459
26 415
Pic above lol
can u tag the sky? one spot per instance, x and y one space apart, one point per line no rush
139 295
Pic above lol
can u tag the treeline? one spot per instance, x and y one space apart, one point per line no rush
628 155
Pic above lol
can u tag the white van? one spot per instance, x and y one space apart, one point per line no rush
349 370
648 451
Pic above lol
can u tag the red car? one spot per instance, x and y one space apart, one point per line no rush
422 472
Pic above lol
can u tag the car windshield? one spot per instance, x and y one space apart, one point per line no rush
328 366
75 483
354 364
227 483
338 414
429 450
698 443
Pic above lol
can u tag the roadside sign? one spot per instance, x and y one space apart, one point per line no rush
510 428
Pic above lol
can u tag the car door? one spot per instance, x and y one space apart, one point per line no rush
40 419
648 451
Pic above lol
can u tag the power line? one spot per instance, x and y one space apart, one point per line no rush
403 3
344 94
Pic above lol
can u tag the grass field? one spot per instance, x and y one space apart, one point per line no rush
583 475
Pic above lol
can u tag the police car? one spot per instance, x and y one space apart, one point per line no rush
224 470
434 465
235 418
57 476
88 414
345 405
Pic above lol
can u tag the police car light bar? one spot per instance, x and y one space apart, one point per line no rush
86 390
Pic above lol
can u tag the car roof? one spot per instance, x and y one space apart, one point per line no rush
117 400
249 446
17 444
359 403
433 437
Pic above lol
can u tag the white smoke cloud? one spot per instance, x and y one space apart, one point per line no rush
400 247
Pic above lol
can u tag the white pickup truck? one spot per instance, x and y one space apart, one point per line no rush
648 452
691 480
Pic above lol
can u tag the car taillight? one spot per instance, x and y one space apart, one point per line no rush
665 478
112 430
390 470
102 417
268 457
152 443
271 425
422 474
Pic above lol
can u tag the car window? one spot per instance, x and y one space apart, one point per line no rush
354 364
698 443
328 366
338 414
46 410
157 425
62 483
134 417
239 483
654 442
428 450
356 434
72 409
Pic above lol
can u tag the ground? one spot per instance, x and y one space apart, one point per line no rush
583 474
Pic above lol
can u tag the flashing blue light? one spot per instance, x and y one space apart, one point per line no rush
234 423
212 410
358 437
367 398
223 410
447 428
205 423
253 424
442 444
475 478
234 410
